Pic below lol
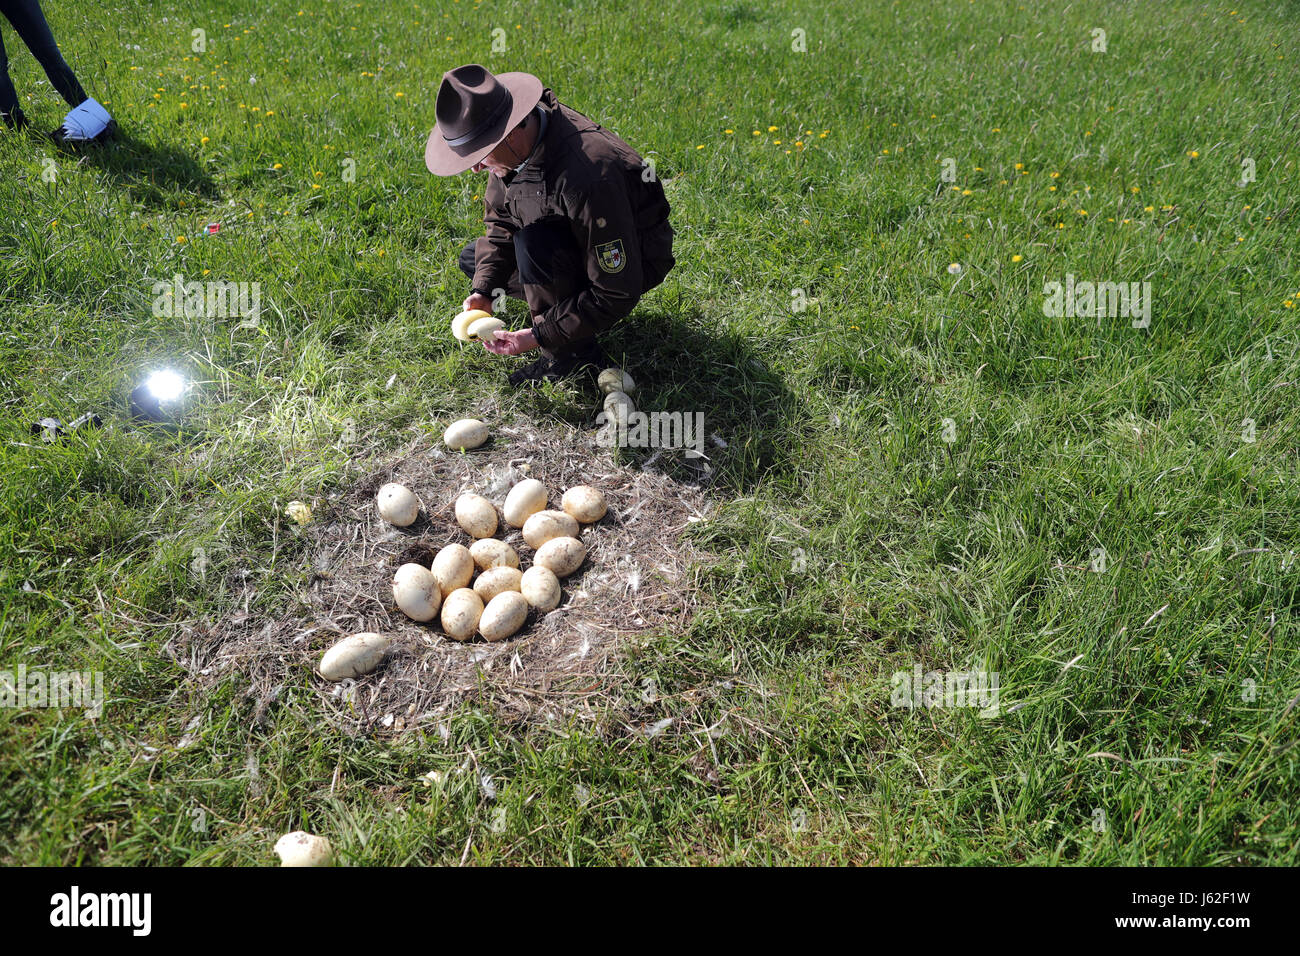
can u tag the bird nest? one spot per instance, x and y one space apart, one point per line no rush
640 575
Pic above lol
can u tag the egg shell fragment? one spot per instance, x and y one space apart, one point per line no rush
484 330
461 323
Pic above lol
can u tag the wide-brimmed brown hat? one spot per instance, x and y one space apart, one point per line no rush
476 111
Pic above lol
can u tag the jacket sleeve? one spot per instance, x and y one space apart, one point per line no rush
494 252
604 228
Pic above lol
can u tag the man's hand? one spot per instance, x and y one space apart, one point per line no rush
512 343
476 301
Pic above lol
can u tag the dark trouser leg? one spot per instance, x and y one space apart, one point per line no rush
469 254
551 269
8 95
29 22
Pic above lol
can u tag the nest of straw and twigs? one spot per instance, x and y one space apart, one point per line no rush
639 576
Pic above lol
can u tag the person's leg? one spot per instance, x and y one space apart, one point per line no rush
551 269
8 95
29 22
468 257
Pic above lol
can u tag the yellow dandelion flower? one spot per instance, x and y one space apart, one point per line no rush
965 192
728 131
180 238
1020 165
1016 258
203 141
771 129
1055 175
278 166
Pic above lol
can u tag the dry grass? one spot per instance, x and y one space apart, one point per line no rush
639 576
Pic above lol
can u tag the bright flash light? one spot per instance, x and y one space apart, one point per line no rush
165 385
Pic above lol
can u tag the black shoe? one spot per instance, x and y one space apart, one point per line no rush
17 120
587 360
61 137
534 373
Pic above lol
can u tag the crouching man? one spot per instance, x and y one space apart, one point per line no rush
576 224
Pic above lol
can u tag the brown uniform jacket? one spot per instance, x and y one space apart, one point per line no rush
614 205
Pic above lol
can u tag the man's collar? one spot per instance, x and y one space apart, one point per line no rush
544 118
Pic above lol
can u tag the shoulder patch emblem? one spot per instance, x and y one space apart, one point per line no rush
610 256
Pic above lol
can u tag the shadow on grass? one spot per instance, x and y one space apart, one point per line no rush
679 365
150 173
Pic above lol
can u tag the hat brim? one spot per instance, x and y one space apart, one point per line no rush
443 160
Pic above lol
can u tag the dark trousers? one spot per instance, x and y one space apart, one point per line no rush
29 23
549 266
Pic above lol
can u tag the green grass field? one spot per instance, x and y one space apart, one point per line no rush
922 468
